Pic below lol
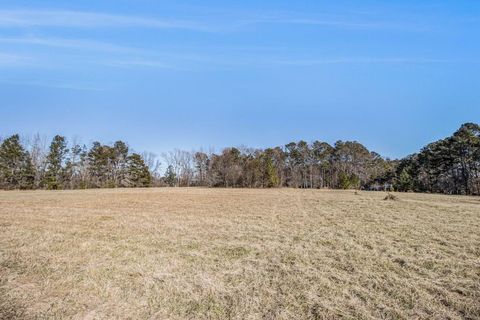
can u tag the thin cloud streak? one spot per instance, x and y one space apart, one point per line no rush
70 43
174 61
139 63
75 87
335 22
82 19
14 60
367 61
305 21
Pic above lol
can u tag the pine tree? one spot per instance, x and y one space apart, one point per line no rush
465 146
27 174
404 182
170 176
55 172
99 165
270 175
16 168
137 173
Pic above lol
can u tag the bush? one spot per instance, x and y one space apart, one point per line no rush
390 197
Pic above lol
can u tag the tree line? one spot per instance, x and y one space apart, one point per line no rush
451 165
61 167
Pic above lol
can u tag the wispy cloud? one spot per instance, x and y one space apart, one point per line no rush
313 62
69 43
82 19
65 86
139 63
14 60
310 21
334 21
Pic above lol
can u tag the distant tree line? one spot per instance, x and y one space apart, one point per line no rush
298 164
61 167
451 165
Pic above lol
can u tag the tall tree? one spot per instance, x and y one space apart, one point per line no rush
201 167
170 176
270 174
118 162
99 168
76 166
55 160
38 153
322 155
153 164
16 168
137 173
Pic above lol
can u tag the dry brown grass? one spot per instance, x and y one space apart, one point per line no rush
241 254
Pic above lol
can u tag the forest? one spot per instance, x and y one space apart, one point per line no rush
450 166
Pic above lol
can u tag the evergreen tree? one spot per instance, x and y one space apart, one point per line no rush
404 181
98 165
55 171
270 176
16 168
170 176
465 145
27 174
137 173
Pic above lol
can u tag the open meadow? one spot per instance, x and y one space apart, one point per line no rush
193 253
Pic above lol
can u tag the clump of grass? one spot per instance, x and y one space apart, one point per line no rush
390 197
400 261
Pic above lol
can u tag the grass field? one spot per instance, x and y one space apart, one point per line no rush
238 254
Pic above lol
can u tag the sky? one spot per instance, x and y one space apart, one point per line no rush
394 75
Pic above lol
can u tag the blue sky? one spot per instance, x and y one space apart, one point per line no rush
393 75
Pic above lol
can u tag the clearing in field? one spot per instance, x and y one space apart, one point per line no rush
236 253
